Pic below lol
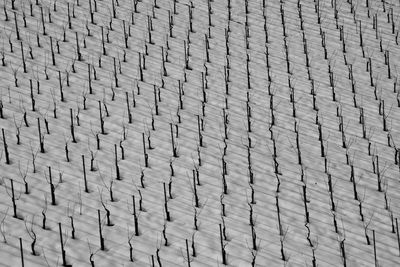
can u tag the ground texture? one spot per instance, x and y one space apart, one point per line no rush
195 133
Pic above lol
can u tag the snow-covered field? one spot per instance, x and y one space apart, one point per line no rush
199 133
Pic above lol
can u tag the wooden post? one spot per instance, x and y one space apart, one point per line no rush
155 99
115 73
149 26
187 253
102 41
22 252
73 227
69 17
40 137
100 232
180 95
42 16
52 52
32 100
198 129
146 156
375 257
135 217
5 147
84 174
116 163
222 246
52 189
398 235
72 126
90 80
23 58
64 263
125 34
196 197
174 153
166 205
170 22
91 12
13 199
60 86
209 14
77 47
128 107
101 119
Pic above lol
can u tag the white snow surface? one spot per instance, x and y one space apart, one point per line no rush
372 157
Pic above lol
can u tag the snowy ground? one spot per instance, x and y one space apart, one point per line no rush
281 238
